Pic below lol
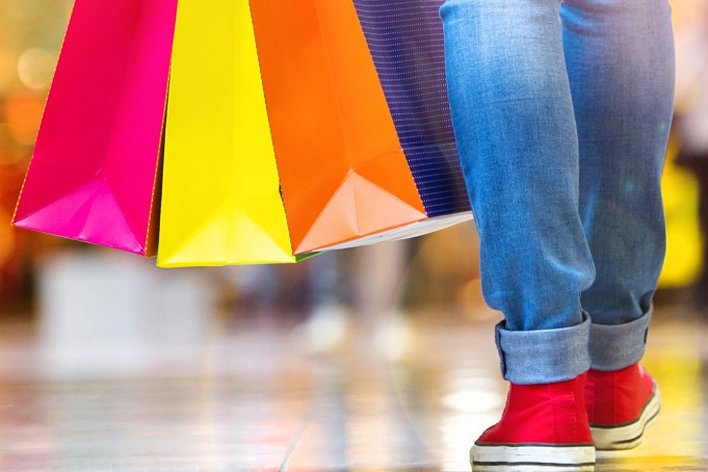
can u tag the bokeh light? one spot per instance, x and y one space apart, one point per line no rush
23 113
36 67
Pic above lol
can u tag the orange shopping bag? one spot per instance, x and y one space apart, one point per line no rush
344 175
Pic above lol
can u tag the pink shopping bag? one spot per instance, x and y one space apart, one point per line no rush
94 172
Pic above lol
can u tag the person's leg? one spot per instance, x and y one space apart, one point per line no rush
620 61
515 129
514 125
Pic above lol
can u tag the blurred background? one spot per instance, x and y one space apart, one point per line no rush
44 279
31 33
71 311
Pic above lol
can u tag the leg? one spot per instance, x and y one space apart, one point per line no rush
515 129
621 66
620 60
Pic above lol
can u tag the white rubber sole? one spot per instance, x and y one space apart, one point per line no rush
629 435
561 458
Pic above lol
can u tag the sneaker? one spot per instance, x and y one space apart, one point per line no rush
543 427
620 404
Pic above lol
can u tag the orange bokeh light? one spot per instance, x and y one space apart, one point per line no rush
23 113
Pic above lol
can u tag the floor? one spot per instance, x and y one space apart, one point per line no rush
410 397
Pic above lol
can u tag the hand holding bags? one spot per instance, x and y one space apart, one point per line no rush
93 174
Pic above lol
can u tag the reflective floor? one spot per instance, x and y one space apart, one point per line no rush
412 397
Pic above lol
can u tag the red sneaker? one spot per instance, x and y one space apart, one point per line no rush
620 404
543 426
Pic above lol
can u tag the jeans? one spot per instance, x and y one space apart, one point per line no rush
561 113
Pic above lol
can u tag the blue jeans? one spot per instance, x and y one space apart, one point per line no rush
561 113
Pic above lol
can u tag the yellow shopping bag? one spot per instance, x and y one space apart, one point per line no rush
221 201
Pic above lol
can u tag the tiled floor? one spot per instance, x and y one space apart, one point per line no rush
257 401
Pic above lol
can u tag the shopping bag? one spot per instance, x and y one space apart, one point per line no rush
346 178
406 45
221 201
94 172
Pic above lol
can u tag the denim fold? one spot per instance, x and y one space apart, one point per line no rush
543 356
614 347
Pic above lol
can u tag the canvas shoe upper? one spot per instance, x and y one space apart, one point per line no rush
543 425
620 404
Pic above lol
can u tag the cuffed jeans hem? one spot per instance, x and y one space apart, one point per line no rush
543 356
614 347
